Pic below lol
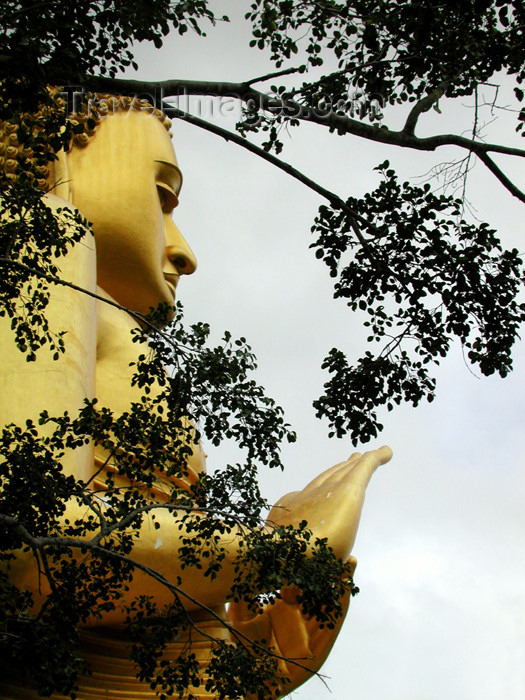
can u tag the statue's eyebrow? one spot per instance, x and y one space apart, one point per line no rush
177 170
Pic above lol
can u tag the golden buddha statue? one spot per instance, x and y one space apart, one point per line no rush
123 177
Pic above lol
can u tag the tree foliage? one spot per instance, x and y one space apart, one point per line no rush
425 276
62 42
404 254
402 50
149 445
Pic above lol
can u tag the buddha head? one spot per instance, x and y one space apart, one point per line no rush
123 176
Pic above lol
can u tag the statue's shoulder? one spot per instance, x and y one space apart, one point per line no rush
55 202
78 266
58 204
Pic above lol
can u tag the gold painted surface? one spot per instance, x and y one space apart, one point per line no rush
126 182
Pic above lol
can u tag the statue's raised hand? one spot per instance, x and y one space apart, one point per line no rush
331 504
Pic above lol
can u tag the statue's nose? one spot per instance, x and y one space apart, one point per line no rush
178 251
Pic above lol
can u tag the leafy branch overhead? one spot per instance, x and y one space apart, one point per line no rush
425 277
384 58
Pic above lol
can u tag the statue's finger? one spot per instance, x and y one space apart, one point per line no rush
328 473
361 472
284 501
384 454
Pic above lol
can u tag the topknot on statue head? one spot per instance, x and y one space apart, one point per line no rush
96 107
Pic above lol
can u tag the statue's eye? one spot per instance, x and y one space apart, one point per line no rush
167 197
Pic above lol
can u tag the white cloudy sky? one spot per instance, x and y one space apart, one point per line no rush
441 613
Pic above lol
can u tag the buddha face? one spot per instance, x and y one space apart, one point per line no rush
126 182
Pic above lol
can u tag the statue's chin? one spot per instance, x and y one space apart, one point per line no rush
141 298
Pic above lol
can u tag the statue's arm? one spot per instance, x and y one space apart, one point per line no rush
159 571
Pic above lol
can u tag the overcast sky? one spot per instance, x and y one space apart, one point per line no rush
441 613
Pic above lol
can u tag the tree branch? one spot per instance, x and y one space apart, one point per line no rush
423 106
334 199
491 165
294 110
128 520
270 76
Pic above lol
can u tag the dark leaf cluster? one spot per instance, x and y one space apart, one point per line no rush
213 385
394 51
60 42
277 558
32 239
425 277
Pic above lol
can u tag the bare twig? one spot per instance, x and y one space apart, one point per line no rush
271 76
469 156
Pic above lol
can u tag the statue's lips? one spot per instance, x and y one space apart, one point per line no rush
171 280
